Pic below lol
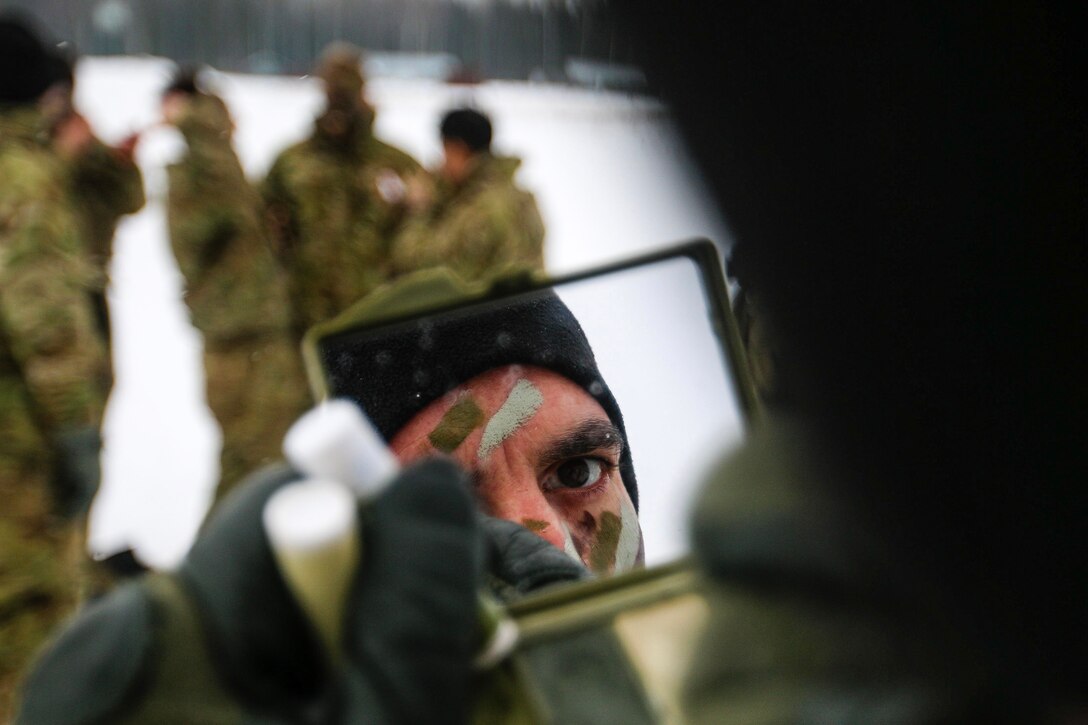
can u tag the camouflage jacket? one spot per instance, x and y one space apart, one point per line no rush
53 365
332 215
812 616
233 286
104 186
478 228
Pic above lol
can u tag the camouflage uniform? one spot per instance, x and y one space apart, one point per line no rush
811 616
235 293
331 221
53 385
478 228
103 187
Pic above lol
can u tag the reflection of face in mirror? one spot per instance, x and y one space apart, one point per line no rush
542 453
633 347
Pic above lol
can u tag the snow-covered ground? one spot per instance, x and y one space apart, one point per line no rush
610 177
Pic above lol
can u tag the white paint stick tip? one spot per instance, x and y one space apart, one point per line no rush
336 441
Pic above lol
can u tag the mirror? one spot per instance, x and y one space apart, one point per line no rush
666 357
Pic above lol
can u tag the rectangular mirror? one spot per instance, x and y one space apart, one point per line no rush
667 358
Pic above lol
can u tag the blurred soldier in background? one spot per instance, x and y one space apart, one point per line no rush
475 219
335 199
104 182
235 290
54 371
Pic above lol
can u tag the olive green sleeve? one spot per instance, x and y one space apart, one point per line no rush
280 209
393 158
104 186
209 200
104 173
489 235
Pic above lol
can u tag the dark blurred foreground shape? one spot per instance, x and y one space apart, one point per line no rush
907 187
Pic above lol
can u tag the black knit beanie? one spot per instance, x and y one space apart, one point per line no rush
394 372
26 65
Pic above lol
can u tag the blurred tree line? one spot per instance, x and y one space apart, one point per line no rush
480 38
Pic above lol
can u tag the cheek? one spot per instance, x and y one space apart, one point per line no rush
422 448
411 452
597 527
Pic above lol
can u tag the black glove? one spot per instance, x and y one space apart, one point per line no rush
76 470
520 562
410 628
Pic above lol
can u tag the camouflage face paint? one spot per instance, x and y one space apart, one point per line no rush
456 425
630 543
535 525
602 553
522 403
568 546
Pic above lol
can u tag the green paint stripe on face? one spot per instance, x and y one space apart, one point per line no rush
602 554
456 425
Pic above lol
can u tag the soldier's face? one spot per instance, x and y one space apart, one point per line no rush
542 453
456 160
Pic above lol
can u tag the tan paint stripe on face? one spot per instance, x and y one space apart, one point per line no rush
456 425
568 546
521 405
630 538
535 525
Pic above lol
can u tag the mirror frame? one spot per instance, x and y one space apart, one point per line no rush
702 252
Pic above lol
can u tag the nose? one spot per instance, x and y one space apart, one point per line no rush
521 501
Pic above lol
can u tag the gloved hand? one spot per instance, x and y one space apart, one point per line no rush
76 470
519 562
409 633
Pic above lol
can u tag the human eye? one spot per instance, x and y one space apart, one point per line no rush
577 473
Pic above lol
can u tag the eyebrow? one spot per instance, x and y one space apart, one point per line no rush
588 436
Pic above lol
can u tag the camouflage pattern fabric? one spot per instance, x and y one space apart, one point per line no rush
233 287
53 379
235 292
809 618
333 205
41 562
256 389
481 228
104 186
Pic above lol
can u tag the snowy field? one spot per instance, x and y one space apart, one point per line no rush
610 178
